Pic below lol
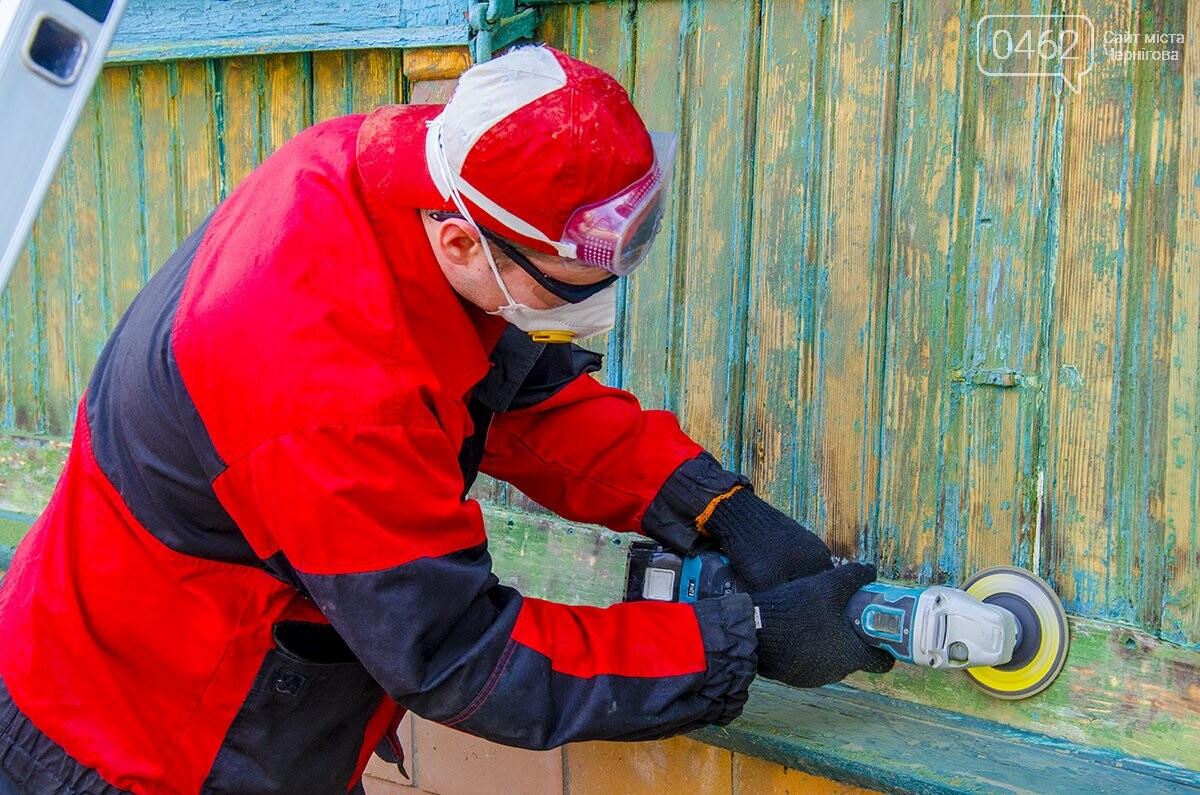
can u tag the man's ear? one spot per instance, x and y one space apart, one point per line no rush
458 240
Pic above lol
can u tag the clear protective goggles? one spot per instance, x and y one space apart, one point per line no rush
614 234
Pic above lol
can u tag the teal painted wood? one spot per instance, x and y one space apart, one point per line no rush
871 741
159 30
931 416
1140 586
1109 374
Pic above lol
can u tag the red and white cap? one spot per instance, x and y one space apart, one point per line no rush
549 151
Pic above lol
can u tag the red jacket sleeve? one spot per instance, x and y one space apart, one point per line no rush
589 453
371 521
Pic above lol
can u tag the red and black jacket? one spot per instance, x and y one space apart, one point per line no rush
261 544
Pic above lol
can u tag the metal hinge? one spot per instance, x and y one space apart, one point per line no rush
998 377
497 24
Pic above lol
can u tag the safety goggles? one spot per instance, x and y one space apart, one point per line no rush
571 293
614 234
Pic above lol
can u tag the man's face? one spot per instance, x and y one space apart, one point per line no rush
459 252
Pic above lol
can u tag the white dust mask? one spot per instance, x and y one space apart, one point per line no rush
592 316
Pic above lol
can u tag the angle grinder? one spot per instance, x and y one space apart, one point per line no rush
1005 628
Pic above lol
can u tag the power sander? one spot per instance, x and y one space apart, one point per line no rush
1005 628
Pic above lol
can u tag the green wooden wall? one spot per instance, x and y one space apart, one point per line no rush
950 320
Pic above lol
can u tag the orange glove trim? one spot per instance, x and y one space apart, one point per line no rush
707 513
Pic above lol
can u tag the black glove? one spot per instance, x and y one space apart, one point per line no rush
765 546
806 639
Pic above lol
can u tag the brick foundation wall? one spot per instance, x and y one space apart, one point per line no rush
443 761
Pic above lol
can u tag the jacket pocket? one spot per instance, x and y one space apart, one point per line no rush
302 725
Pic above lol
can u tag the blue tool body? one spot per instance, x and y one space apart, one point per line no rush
884 616
1005 627
933 626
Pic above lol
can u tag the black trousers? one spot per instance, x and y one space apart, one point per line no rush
33 764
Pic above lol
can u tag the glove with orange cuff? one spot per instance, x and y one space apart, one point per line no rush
766 546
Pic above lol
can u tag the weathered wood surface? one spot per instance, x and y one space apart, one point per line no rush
970 321
987 353
924 234
890 746
159 30
1181 483
1109 374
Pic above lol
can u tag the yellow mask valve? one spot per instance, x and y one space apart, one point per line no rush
552 336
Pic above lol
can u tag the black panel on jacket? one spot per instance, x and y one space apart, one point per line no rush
303 721
423 628
281 568
147 435
523 374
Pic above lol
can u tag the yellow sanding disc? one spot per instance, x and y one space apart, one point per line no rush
1043 636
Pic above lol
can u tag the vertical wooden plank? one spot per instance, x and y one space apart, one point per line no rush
1089 270
1181 603
330 85
992 519
1146 337
646 323
21 354
121 174
88 302
596 35
916 373
287 96
241 89
376 76
719 80
851 275
783 257
198 179
52 261
157 85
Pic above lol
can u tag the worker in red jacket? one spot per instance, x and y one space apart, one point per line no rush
261 551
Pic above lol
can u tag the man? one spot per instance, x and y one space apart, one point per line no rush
260 552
